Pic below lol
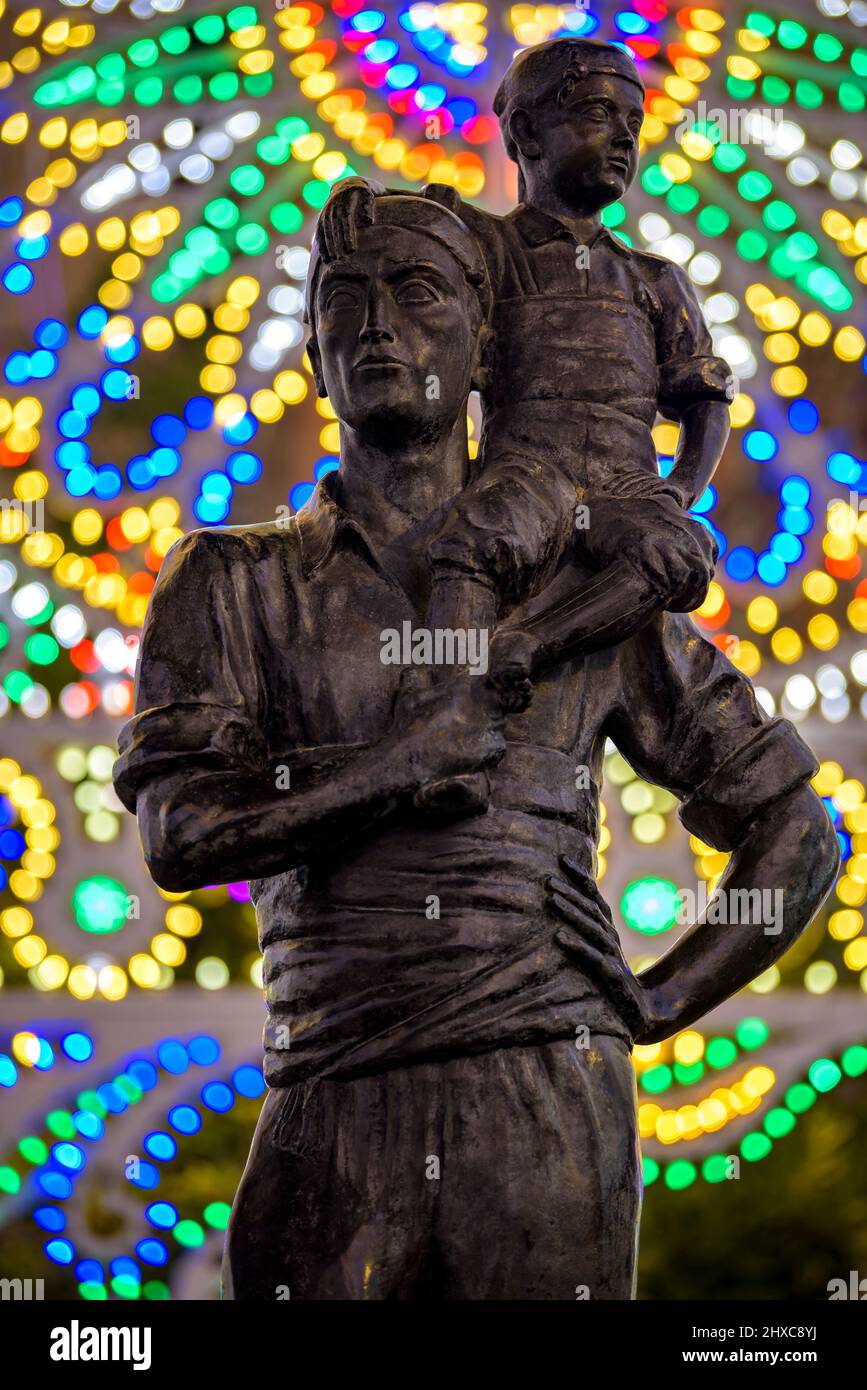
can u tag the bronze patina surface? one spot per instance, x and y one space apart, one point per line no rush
390 715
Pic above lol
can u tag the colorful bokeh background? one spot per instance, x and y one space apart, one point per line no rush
163 165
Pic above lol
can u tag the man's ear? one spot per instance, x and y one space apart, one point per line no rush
484 359
522 135
316 366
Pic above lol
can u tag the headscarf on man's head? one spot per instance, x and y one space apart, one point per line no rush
431 219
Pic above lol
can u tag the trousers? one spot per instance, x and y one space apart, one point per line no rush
511 1174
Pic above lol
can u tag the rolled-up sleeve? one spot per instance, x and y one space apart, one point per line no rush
689 721
196 693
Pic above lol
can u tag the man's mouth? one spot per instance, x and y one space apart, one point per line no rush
618 162
376 359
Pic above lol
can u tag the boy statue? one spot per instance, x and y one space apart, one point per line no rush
590 340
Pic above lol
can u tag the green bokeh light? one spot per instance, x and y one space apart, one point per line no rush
99 904
650 905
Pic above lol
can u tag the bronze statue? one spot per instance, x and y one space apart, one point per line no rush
450 1015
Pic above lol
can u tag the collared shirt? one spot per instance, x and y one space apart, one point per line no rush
418 940
590 341
530 254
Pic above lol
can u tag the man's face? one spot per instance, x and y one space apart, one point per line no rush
589 144
397 327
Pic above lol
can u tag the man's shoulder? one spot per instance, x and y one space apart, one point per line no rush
218 544
214 554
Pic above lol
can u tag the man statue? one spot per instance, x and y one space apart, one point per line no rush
451 1112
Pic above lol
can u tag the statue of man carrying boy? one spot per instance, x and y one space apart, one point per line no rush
450 1015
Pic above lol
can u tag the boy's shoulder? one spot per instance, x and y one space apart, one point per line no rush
659 271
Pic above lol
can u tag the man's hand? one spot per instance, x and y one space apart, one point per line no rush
594 945
349 207
446 729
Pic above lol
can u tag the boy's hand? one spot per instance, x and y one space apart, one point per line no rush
349 207
592 942
514 658
696 379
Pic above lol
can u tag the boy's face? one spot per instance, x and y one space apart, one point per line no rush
588 146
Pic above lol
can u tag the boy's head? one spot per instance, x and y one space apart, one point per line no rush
570 111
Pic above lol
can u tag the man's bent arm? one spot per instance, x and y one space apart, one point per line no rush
205 826
790 847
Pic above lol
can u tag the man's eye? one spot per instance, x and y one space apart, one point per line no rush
596 113
342 299
415 292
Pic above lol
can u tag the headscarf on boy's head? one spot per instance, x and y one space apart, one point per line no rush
552 71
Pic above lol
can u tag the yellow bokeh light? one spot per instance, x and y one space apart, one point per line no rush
786 645
190 320
762 614
291 387
819 587
82 982
823 632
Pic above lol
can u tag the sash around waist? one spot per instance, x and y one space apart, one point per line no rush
425 940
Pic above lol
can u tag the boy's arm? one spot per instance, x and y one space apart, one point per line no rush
695 386
704 431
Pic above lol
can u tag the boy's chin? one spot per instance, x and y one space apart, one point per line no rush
589 198
612 186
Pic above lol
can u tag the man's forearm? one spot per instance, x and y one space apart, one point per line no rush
215 827
790 857
704 431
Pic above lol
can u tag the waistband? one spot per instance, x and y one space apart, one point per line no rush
536 780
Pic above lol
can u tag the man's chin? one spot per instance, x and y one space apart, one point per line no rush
387 422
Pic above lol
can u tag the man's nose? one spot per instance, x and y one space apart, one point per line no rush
376 320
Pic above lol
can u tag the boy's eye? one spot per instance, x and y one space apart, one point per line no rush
415 292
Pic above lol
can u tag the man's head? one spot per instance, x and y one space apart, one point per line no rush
399 324
570 112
